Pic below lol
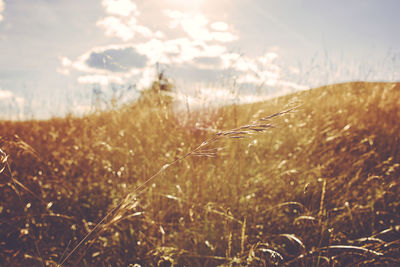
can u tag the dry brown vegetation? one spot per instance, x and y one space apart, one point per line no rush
316 186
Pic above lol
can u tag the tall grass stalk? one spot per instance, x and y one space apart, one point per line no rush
204 149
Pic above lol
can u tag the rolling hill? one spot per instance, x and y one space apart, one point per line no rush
314 186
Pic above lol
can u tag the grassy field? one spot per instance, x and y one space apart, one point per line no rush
142 186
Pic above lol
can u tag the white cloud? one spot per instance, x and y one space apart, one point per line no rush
159 35
120 7
219 26
144 31
188 49
122 22
65 62
2 5
224 37
125 29
196 26
238 62
178 51
175 15
115 27
155 50
195 40
5 94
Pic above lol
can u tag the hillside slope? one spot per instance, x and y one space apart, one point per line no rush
320 188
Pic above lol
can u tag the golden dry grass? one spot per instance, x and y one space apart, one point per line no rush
317 186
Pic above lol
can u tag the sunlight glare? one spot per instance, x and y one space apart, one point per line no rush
193 5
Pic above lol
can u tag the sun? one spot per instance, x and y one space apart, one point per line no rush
187 5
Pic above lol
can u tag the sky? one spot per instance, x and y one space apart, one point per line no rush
57 56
